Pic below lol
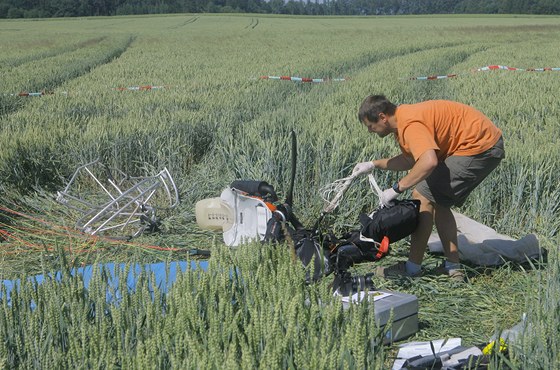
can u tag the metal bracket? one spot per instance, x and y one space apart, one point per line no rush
111 201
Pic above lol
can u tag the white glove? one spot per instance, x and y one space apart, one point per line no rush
387 196
362 168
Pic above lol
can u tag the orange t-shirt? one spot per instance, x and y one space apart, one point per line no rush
448 127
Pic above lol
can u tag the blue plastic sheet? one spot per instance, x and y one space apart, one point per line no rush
163 274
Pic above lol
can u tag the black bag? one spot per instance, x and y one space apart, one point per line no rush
352 249
371 243
396 221
310 249
330 253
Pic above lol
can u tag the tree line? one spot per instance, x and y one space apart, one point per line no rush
80 8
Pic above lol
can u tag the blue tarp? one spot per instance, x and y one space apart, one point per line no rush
164 274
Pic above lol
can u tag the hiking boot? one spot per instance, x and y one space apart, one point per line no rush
396 270
454 274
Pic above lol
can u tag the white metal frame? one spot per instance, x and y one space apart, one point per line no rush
111 201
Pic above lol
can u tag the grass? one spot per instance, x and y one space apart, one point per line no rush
215 122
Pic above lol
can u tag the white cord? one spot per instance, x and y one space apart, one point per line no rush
374 187
338 187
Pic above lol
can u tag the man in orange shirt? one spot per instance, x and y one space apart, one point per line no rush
448 148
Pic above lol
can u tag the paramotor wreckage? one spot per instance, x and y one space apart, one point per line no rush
111 202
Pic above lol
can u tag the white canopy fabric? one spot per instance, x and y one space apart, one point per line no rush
482 245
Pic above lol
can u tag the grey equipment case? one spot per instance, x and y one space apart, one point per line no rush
401 307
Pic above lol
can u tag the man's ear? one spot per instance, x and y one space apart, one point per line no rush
383 117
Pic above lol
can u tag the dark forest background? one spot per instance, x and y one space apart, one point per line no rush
80 8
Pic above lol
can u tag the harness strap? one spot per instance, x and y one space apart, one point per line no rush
374 187
383 248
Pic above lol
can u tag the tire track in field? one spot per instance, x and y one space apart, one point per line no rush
352 66
254 23
444 65
368 59
188 21
71 71
358 63
16 62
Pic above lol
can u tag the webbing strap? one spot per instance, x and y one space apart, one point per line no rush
374 187
383 248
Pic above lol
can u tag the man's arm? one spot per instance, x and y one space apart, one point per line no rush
423 167
400 162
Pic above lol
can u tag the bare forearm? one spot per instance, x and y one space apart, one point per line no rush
418 171
421 169
397 163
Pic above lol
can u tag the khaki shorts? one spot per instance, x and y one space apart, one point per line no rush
454 179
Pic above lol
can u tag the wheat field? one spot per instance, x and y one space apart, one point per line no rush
186 92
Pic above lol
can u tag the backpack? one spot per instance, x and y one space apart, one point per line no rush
333 254
395 222
383 226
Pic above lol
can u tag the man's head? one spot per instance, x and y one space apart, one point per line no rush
375 112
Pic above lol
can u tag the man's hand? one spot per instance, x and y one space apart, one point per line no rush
387 196
362 168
